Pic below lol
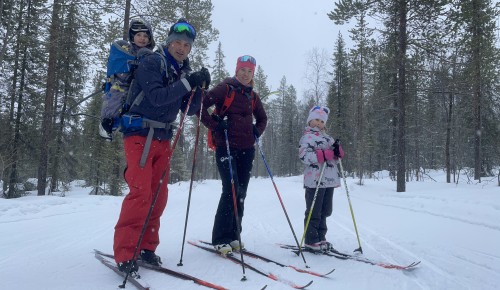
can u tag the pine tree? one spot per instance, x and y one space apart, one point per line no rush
475 20
397 23
339 96
260 86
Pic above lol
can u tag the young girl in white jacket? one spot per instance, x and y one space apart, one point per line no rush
316 148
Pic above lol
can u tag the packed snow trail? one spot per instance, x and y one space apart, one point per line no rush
452 229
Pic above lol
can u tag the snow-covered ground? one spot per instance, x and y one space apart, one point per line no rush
47 242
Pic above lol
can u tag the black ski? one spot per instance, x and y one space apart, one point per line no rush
343 256
115 269
238 261
260 257
167 271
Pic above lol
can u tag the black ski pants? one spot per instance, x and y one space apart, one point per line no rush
323 206
225 228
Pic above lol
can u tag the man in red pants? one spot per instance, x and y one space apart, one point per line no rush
165 85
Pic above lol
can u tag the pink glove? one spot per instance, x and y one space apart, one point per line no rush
328 154
320 155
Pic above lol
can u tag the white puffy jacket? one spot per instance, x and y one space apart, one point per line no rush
312 140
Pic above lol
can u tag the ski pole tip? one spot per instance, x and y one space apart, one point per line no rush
358 250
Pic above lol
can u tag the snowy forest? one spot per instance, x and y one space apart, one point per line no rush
418 91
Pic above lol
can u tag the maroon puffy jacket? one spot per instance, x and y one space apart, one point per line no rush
239 114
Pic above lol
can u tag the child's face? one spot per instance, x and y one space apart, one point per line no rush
317 123
141 39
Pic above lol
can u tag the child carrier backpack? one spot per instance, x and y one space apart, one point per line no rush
118 96
231 91
119 75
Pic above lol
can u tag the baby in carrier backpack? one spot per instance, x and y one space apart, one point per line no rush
120 76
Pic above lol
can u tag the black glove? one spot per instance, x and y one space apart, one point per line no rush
336 150
206 76
197 79
107 125
221 126
256 131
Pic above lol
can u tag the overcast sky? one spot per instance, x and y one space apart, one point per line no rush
278 33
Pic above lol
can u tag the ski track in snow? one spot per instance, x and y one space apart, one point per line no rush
389 250
491 226
432 261
451 231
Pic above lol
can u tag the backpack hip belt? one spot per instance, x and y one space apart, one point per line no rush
136 122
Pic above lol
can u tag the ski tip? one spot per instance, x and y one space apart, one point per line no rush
326 274
305 286
412 265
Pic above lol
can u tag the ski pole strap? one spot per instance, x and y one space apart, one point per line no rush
151 124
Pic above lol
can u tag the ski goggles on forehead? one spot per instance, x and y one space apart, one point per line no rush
182 27
248 58
321 108
139 27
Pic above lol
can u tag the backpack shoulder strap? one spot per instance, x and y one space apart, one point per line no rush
136 100
158 49
254 100
231 91
228 100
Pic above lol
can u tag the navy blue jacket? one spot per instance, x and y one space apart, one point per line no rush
166 91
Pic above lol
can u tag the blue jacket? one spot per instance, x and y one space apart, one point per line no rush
166 91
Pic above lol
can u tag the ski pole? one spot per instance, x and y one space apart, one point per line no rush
192 178
312 204
350 207
153 202
235 204
281 201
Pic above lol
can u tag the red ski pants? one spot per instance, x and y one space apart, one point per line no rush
143 184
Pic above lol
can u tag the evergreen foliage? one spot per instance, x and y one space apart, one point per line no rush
427 101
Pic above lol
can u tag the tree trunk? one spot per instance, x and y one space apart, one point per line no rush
476 98
49 98
116 174
17 134
448 138
401 56
126 19
360 119
59 143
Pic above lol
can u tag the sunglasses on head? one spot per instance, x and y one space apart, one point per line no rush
182 27
248 58
321 108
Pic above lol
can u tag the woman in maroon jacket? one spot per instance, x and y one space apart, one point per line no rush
237 119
